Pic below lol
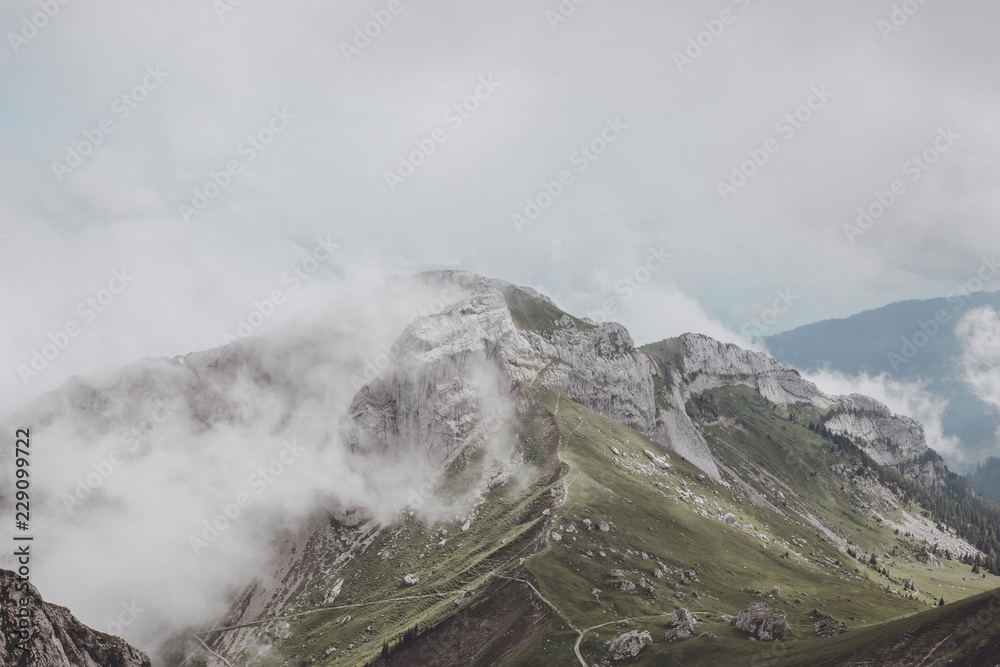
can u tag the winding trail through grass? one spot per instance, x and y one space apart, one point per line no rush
571 477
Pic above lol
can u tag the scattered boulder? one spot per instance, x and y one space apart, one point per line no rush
761 622
463 598
659 461
628 645
928 558
557 537
604 527
684 623
626 586
730 518
825 627
411 580
617 574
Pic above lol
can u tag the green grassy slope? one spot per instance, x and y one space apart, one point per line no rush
668 521
540 550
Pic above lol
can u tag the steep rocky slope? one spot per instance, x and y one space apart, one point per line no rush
55 637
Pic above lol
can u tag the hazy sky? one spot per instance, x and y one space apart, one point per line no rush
286 118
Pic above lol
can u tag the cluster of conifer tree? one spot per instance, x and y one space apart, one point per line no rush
974 518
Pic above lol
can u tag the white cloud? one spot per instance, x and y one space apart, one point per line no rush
979 333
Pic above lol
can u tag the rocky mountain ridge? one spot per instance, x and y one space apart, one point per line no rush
54 638
475 392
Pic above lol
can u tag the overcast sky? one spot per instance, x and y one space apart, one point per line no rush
170 93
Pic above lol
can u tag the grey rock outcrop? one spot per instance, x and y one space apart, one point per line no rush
711 364
684 623
761 622
56 638
628 645
888 438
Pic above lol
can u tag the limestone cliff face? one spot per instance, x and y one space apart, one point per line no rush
889 439
600 369
710 364
454 368
674 429
57 639
700 363
432 397
448 385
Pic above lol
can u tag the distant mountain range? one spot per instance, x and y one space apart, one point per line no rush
907 341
